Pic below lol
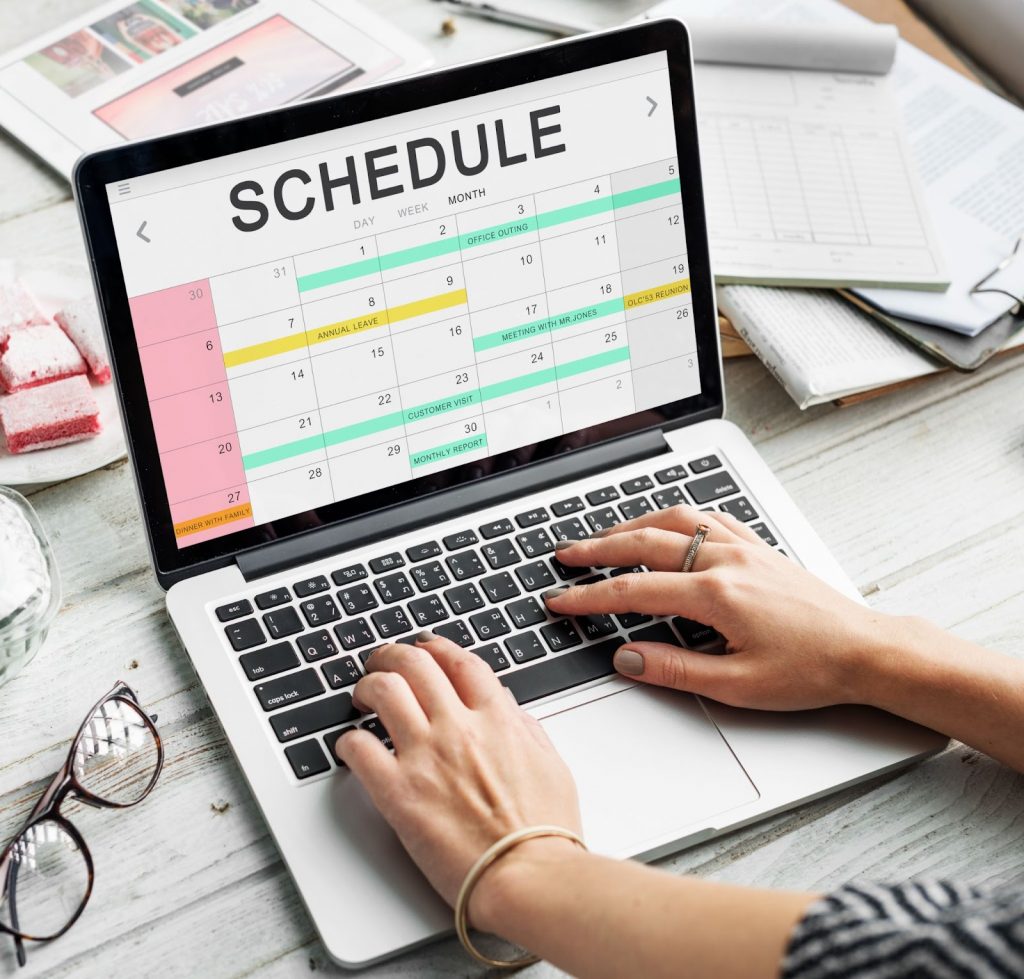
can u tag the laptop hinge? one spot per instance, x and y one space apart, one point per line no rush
314 545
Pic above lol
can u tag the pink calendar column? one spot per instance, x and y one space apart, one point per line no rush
190 403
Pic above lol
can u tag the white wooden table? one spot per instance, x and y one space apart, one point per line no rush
920 496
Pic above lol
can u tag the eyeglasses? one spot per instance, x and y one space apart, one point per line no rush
46 871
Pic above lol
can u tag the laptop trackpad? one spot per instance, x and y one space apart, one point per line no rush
649 766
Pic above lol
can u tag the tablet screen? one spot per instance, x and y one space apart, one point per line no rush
327 317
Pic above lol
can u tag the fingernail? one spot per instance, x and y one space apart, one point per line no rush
425 635
554 593
628 661
561 545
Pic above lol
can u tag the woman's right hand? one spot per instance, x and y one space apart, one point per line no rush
795 642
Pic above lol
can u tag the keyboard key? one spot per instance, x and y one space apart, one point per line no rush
605 495
276 596
455 631
570 530
595 626
311 586
387 563
671 474
463 598
634 569
376 727
531 517
672 496
695 633
709 488
493 656
317 716
465 565
764 533
354 633
428 610
345 576
560 635
422 551
501 554
307 758
704 464
592 580
367 653
602 519
391 622
525 647
464 538
500 587
638 485
288 689
630 620
320 610
245 635
234 610
489 624
317 645
284 622
565 572
330 740
631 509
536 542
534 576
658 632
496 528
525 612
341 672
394 587
563 672
267 662
431 577
565 507
357 599
740 508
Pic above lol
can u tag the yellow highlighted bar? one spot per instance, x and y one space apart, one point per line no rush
344 328
668 291
211 520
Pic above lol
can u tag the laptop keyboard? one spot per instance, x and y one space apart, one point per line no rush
302 646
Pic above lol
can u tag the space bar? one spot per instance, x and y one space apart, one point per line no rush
563 672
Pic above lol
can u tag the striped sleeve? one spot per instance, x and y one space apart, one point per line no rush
917 929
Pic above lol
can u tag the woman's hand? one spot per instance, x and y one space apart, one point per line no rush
797 643
469 765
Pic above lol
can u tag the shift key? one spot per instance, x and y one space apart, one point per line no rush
712 487
317 716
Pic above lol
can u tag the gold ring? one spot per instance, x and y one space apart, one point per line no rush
698 538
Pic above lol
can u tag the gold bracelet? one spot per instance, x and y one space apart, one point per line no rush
488 857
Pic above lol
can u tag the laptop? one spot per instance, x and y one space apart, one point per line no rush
375 355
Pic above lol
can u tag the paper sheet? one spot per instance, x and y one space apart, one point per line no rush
130 70
807 175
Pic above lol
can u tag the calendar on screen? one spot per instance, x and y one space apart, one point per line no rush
328 316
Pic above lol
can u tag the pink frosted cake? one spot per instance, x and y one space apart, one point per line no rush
50 414
81 322
37 355
17 309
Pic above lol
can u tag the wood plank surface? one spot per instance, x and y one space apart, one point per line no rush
920 495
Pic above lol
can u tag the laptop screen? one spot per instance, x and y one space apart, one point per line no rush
461 287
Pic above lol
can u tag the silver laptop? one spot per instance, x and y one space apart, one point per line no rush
375 355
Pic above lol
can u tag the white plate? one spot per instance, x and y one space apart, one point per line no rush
54 283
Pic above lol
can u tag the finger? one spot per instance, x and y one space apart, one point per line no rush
368 759
739 528
655 592
426 679
473 680
659 550
681 669
681 519
390 697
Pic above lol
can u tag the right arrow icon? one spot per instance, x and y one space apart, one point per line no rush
145 238
654 105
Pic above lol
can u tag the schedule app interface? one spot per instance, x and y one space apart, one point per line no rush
326 316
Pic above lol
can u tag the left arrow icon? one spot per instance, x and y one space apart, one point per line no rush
139 234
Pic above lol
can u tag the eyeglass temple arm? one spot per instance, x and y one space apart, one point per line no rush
10 888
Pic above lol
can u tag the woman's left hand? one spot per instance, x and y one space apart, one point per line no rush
469 765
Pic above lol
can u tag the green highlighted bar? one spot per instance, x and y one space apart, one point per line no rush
510 229
450 450
527 331
467 399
